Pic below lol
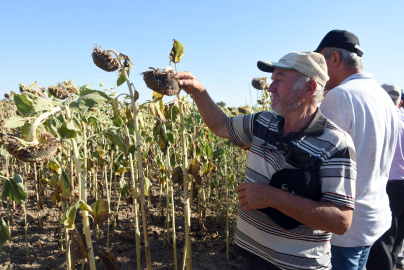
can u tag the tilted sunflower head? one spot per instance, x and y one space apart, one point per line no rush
104 60
58 92
161 81
260 83
47 147
63 90
7 95
31 90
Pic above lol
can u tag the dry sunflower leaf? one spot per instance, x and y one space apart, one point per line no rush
4 232
70 215
110 261
100 211
177 52
195 169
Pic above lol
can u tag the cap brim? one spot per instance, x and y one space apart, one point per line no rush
270 67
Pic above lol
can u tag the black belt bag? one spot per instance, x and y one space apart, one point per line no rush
303 181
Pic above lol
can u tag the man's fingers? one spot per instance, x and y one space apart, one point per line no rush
241 194
184 75
241 187
245 147
243 202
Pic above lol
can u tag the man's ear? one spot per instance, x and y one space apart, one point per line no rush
335 59
310 88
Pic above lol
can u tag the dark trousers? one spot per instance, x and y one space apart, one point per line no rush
384 252
251 264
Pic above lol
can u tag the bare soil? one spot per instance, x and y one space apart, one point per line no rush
208 246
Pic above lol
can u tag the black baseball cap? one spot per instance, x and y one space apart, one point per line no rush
341 39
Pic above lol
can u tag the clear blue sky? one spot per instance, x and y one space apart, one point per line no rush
50 41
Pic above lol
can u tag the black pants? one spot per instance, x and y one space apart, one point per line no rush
251 264
384 252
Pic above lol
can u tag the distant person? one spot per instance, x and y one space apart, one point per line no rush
384 252
358 105
301 170
402 99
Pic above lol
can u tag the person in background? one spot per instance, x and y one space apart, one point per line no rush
384 252
357 104
301 170
402 99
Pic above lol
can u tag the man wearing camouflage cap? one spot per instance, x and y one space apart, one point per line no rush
300 177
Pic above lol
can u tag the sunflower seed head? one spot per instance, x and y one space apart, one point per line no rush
104 60
34 154
58 92
31 90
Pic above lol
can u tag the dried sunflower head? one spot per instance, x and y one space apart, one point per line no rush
162 82
7 95
63 90
58 92
31 90
31 153
104 60
260 83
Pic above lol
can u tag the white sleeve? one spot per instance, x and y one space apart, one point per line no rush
337 107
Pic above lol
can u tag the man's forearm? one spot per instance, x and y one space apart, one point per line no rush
315 214
211 114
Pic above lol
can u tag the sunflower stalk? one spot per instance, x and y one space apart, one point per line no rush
170 190
140 165
135 204
187 212
82 196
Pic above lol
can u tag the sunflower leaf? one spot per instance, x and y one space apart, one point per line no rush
13 187
4 232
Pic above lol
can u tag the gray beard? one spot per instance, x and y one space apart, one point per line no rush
287 104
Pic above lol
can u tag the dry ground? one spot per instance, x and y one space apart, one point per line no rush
208 247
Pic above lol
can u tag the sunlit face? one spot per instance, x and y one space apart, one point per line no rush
284 98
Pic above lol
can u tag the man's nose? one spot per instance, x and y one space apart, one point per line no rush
271 88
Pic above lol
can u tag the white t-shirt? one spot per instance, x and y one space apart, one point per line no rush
363 109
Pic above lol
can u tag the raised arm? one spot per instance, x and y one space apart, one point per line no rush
211 114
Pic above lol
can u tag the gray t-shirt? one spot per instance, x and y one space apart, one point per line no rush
364 110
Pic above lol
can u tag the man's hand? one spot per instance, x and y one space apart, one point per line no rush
245 147
189 83
254 195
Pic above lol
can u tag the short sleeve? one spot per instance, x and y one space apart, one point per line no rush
336 107
338 176
240 129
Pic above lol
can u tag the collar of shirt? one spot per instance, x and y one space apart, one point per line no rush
315 127
357 76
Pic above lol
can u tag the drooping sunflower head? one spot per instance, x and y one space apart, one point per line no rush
31 90
7 95
260 83
47 148
58 92
104 60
